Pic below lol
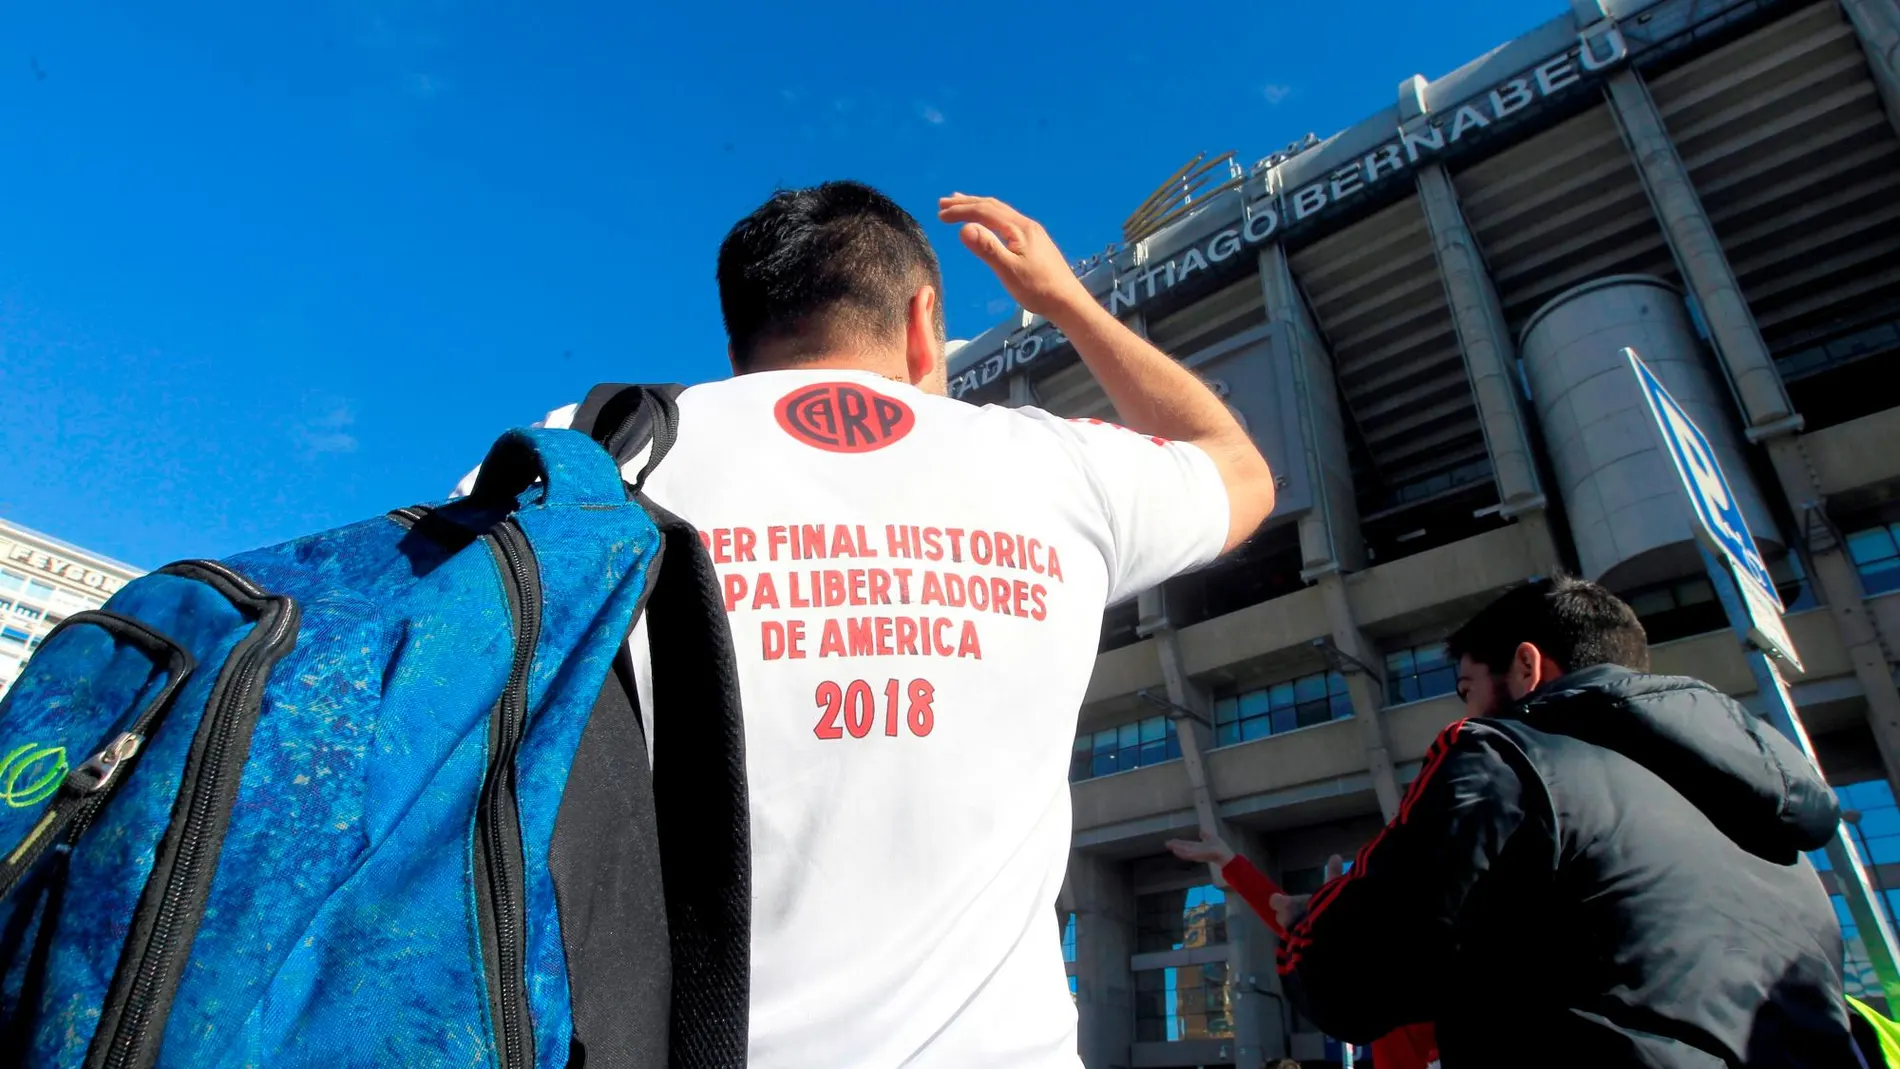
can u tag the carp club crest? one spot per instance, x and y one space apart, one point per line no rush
843 417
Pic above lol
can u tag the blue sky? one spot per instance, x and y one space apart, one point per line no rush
269 268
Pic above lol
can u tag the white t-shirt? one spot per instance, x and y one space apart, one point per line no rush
915 587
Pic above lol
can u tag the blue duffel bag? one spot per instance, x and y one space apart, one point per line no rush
381 797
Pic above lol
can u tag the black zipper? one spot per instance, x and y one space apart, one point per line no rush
132 1019
500 894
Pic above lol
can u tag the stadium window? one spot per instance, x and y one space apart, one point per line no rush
1678 609
11 580
1068 939
13 635
1876 555
38 591
1186 919
1418 673
1303 702
1186 1002
1127 746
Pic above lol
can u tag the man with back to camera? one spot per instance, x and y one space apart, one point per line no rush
1603 867
915 587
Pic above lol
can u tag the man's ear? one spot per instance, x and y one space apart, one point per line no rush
923 351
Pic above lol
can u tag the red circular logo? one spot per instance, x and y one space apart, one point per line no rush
843 417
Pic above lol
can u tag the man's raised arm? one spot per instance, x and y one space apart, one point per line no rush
1151 393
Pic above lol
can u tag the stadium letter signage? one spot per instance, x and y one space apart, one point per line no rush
1592 54
1265 218
1128 292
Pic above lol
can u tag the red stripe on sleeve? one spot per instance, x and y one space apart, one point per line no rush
1301 935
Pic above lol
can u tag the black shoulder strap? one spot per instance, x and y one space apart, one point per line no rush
624 418
699 793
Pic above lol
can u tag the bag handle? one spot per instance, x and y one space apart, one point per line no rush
573 469
626 418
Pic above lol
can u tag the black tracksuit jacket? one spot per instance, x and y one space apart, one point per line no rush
1609 874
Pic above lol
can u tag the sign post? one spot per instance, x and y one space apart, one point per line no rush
1748 595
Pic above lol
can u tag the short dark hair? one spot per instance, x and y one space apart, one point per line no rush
811 264
1574 622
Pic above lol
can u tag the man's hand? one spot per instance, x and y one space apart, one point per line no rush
1151 393
1209 849
1288 909
1018 249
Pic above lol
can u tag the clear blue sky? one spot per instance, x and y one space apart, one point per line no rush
270 268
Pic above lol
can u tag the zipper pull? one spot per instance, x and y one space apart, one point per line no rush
100 768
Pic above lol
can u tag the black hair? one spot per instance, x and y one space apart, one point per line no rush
1574 622
811 265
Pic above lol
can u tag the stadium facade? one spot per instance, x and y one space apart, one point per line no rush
1419 318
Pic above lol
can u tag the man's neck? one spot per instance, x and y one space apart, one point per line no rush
892 368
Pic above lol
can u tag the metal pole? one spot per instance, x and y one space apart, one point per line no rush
1875 933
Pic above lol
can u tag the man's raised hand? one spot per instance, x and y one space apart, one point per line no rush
1209 849
1020 251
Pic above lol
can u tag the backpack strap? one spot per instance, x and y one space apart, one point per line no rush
699 793
697 809
626 419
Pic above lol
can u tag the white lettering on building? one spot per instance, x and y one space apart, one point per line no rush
1598 51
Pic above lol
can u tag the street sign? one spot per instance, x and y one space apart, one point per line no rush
1718 514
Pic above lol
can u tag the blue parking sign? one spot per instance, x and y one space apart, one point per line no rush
1718 515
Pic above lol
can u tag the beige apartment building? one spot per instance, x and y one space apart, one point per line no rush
1419 318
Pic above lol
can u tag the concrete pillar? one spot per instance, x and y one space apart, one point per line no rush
1260 1020
1877 24
1835 578
1021 391
1699 255
1103 900
1329 533
1193 717
1366 689
1767 413
1488 353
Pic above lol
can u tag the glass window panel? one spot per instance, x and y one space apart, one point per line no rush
1154 729
1226 734
1651 602
1408 689
1128 735
1128 757
1871 544
1342 706
1104 764
1438 681
11 581
1433 656
1335 683
1153 753
1280 695
1284 720
1174 746
1695 592
1257 728
1880 582
1084 743
1105 741
1310 713
1253 703
1399 663
1307 688
41 591
1226 710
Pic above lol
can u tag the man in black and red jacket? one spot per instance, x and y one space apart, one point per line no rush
1603 867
